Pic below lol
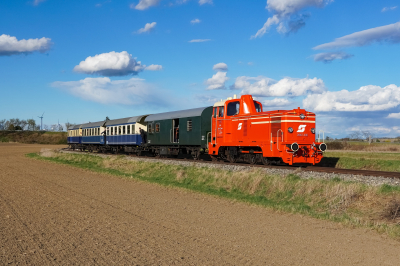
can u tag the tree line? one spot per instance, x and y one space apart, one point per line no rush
30 124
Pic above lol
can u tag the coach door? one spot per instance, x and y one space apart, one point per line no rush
102 135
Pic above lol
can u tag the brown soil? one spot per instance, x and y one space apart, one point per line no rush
53 214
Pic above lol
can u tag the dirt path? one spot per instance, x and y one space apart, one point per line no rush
53 214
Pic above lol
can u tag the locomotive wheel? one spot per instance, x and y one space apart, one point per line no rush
214 158
252 159
265 161
232 158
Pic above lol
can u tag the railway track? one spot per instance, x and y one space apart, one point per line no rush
321 169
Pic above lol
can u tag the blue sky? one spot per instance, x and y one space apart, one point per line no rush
81 61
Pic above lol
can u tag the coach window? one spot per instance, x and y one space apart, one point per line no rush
123 130
233 108
128 129
149 127
157 127
221 111
133 129
189 125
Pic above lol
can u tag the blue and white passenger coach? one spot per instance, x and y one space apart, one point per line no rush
111 135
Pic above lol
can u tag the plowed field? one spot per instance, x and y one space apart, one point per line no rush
53 214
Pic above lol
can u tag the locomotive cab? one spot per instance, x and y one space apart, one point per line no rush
242 130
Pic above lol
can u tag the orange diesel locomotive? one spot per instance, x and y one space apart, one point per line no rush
242 130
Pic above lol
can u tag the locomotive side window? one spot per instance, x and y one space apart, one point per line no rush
215 112
221 111
257 106
233 108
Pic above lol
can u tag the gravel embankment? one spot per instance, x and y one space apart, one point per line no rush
369 180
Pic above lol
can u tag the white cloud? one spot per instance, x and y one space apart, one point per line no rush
277 102
220 67
144 4
37 2
217 82
154 67
10 45
394 115
329 57
286 15
388 8
195 21
263 86
134 91
200 40
202 2
389 33
367 98
147 28
206 98
110 64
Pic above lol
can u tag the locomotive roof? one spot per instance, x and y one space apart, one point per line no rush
126 120
176 114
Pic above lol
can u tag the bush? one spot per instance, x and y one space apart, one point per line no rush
336 145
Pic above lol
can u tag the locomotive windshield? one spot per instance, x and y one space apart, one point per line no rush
258 107
233 108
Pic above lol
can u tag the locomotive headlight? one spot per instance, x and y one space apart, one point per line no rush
290 130
313 130
294 146
302 116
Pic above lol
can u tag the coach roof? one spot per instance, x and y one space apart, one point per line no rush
176 114
94 124
121 121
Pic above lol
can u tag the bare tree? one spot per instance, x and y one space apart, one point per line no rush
46 128
31 124
2 124
23 124
68 125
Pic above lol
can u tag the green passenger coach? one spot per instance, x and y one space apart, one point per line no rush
186 131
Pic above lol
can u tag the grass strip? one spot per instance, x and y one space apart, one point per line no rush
350 203
363 161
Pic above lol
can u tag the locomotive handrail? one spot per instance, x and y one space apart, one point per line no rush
216 123
271 141
277 138
323 136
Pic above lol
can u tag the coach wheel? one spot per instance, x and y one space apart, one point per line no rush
252 159
265 161
195 155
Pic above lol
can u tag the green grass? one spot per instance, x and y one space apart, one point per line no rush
345 202
379 161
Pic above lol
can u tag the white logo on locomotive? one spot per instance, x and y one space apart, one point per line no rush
301 128
240 126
